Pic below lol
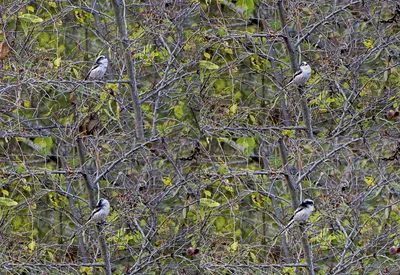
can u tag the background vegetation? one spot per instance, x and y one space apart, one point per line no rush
194 139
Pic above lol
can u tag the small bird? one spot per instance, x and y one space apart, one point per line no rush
100 212
301 76
301 214
95 73
99 215
99 68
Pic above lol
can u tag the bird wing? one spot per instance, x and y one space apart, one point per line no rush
293 77
91 69
296 74
96 210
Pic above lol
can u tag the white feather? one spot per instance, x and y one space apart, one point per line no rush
99 69
301 76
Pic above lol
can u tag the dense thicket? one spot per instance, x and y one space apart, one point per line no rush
194 138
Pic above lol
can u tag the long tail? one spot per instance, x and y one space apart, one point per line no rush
287 227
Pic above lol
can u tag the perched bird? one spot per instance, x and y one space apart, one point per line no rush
95 73
99 215
100 212
301 76
301 214
99 68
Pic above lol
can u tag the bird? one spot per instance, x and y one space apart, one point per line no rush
95 73
100 212
98 215
301 76
99 68
301 214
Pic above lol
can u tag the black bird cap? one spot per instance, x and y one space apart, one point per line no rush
307 202
303 64
100 203
98 59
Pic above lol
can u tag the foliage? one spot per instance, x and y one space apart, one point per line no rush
206 190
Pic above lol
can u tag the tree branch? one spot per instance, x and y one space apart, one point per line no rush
131 70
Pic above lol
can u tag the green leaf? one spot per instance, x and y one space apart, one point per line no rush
247 143
45 144
31 245
30 8
208 65
50 256
16 222
252 119
253 257
30 18
178 111
85 270
43 39
51 4
57 62
7 202
60 48
219 85
247 6
219 223
184 213
234 246
209 202
24 27
232 109
76 73
368 43
20 168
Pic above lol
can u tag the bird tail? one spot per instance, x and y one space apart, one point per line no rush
286 228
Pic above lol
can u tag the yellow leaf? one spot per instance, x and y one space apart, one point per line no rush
31 246
167 181
368 43
57 62
51 4
289 133
234 246
26 188
369 181
30 8
227 50
85 270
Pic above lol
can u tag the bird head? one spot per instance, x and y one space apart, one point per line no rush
102 202
101 60
308 202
